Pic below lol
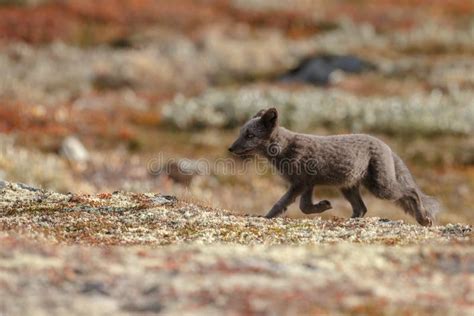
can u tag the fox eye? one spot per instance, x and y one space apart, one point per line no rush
250 136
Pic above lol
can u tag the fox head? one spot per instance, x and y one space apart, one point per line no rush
255 134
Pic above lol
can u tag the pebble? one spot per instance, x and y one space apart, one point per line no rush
74 150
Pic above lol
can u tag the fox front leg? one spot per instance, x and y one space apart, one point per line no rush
288 198
307 206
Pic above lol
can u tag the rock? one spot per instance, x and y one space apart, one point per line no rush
111 82
3 184
145 306
94 288
74 150
160 200
184 170
27 187
318 70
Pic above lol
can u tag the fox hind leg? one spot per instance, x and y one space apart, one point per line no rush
381 179
388 178
353 196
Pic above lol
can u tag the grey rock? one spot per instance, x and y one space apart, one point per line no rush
74 150
94 288
145 306
27 187
164 200
317 70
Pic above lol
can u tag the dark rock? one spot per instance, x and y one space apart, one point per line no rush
93 288
121 43
111 82
317 70
151 290
148 306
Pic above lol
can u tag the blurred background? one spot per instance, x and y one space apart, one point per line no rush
92 92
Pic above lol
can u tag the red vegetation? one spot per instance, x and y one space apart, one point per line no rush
36 122
80 20
35 119
73 20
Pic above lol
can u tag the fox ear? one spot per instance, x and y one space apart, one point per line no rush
259 113
270 118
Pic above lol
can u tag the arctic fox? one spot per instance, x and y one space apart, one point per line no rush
344 161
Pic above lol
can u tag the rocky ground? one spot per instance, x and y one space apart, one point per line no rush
129 253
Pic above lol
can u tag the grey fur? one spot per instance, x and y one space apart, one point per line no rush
344 161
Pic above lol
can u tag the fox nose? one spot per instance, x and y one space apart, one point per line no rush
230 149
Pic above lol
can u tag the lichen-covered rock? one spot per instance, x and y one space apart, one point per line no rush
214 261
132 218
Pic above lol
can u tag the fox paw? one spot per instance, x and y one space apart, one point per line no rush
426 221
325 204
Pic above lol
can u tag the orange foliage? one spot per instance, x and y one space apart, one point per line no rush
67 20
38 121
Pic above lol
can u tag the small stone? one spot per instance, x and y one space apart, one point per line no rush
164 200
94 288
27 187
74 150
150 306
